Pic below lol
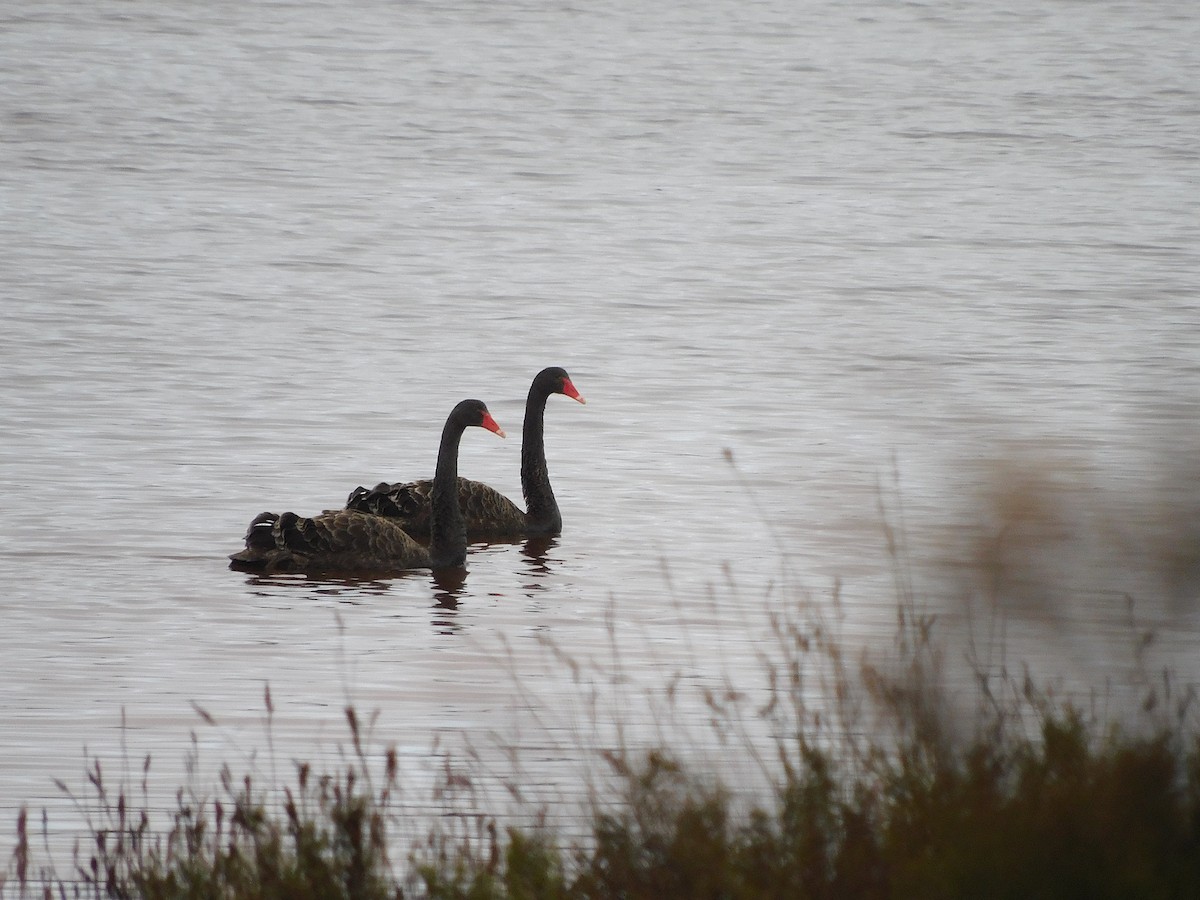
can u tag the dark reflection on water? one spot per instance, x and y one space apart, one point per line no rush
536 553
530 558
324 584
449 587
536 550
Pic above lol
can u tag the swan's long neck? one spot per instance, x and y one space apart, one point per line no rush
542 509
447 528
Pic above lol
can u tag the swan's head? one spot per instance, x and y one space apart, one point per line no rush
475 412
555 380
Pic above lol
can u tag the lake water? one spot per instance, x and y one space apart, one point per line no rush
914 255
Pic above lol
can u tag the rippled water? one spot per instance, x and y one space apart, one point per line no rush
252 255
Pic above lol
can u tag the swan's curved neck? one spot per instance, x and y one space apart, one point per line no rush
542 513
447 528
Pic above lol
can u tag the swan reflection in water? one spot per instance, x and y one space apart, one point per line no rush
536 556
344 587
448 588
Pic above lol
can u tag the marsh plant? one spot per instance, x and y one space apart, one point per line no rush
324 835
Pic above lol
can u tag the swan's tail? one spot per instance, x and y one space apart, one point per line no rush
260 536
270 541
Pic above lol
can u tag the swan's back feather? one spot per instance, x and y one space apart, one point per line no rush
487 512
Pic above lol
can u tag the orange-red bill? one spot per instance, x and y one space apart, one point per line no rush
569 390
491 425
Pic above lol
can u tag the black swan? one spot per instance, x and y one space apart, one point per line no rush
352 541
488 513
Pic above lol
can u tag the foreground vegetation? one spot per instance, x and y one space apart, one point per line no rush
1072 808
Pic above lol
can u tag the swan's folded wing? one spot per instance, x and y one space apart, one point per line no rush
334 540
487 512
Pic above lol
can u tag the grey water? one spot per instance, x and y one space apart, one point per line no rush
819 269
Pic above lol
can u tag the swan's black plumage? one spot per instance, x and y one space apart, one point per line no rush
487 512
352 541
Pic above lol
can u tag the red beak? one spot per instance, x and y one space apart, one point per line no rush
490 424
569 390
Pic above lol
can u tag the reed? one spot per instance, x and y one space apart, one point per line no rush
321 836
